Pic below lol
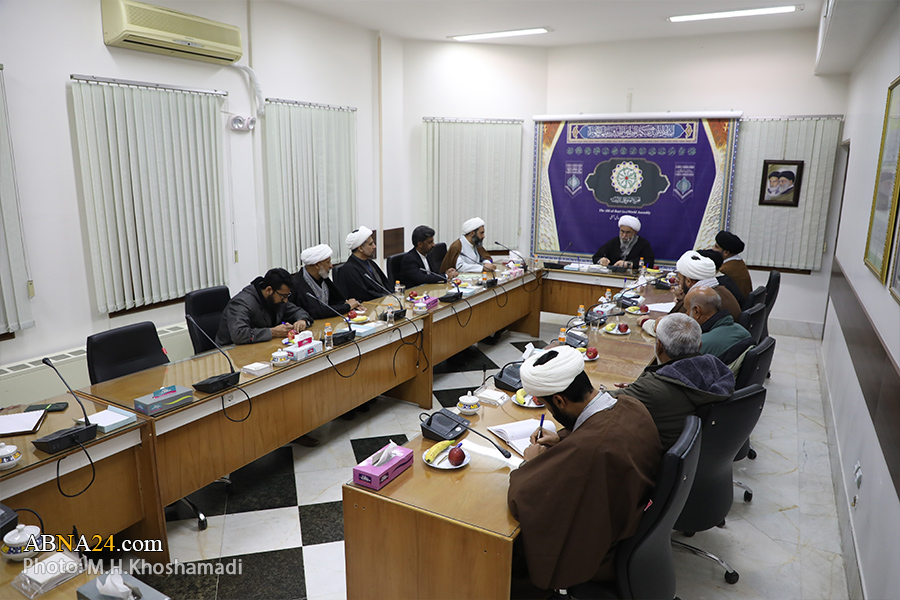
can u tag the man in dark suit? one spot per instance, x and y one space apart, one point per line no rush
414 266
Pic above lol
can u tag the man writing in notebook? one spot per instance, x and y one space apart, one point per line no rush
583 490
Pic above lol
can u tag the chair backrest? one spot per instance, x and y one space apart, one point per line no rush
205 307
436 256
757 296
756 364
338 279
644 567
753 320
393 268
124 350
772 287
726 426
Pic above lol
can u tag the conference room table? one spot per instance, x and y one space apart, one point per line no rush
434 533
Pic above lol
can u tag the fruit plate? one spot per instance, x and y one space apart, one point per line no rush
617 332
361 319
442 462
525 401
634 310
586 359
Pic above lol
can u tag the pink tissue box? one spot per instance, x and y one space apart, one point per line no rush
431 302
377 477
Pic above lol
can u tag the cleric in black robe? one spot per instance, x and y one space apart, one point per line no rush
627 247
311 288
355 277
414 266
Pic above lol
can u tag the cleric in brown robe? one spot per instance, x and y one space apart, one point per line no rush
734 266
467 254
581 492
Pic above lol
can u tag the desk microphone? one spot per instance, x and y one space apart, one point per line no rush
399 313
503 451
216 383
511 251
621 301
556 265
451 296
72 436
337 337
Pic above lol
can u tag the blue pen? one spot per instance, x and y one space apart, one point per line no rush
541 426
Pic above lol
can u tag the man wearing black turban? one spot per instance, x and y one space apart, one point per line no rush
731 247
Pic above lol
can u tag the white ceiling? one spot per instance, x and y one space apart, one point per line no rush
571 21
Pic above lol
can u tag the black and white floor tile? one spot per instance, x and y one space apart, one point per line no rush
281 516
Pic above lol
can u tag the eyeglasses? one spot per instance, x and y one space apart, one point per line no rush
282 296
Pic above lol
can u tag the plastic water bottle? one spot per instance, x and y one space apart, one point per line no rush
642 268
390 314
398 289
608 295
328 340
484 278
562 335
581 311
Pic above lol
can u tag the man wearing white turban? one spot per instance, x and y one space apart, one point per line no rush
358 276
582 491
693 268
311 288
467 254
628 248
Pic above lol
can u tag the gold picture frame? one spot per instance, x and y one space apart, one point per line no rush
884 204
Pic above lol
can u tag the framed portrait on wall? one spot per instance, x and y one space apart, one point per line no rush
884 204
894 283
781 181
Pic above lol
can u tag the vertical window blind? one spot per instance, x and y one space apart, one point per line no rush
151 174
15 310
474 169
783 236
311 178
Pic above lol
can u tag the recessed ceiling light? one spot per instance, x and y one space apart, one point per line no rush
499 34
774 10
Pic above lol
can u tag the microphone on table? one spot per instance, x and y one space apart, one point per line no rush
511 251
399 313
338 337
216 383
451 296
621 301
72 436
556 265
503 451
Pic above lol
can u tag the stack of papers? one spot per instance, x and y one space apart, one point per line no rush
109 419
21 423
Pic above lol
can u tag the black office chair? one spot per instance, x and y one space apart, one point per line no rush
393 267
205 307
725 427
757 296
753 319
644 567
772 287
124 350
436 256
753 372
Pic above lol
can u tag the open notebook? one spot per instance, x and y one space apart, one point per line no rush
517 433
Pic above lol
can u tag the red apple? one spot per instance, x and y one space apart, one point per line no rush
537 401
456 456
457 281
591 353
645 308
413 294
623 327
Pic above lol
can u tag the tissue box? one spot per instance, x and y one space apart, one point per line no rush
89 590
163 399
301 352
431 302
376 478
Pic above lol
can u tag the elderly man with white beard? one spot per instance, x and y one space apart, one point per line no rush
312 278
626 249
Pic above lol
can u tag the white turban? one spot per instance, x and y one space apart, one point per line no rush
629 221
553 376
472 224
696 267
357 238
316 254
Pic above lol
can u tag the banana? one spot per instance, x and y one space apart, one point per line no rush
437 449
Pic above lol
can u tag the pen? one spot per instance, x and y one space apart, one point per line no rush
541 426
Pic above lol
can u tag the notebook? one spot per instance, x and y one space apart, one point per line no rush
22 423
517 433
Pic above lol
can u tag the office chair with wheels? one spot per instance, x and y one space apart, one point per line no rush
757 296
725 427
644 567
753 319
753 372
205 307
393 267
772 287
436 256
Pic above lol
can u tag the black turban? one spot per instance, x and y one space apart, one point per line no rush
729 242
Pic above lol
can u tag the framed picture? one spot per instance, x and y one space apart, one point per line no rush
894 284
781 180
884 204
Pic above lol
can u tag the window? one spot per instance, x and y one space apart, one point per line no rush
15 311
151 175
311 178
474 169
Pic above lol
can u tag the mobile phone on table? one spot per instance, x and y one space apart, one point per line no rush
55 407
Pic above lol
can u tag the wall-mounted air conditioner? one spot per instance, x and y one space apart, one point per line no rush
139 26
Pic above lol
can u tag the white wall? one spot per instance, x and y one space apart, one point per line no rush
875 521
722 72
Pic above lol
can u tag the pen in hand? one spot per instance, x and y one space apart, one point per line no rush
541 427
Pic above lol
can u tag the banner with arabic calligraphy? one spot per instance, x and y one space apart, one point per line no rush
674 175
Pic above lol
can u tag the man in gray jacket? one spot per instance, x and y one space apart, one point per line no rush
683 381
261 311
